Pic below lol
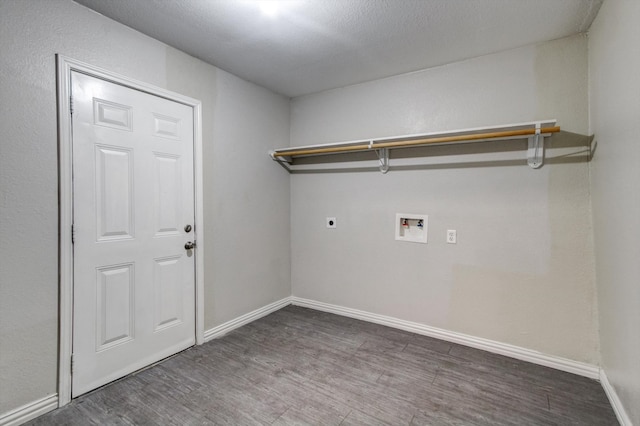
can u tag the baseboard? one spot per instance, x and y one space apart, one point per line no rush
29 411
226 327
618 408
505 349
36 408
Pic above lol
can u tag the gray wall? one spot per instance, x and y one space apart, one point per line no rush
614 67
523 271
246 197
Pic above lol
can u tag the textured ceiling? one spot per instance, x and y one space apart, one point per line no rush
314 45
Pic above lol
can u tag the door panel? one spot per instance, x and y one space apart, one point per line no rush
114 307
114 193
167 296
134 287
166 195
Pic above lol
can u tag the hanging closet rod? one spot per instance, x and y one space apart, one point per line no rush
415 142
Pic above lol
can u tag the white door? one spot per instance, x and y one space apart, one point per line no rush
134 287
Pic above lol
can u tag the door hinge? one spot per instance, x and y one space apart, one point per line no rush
71 104
72 364
73 234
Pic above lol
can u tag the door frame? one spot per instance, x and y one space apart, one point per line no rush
64 67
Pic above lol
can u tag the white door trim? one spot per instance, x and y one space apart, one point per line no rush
65 200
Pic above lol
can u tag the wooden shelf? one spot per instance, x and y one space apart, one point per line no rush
534 131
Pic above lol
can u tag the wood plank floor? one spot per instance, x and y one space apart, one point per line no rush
299 366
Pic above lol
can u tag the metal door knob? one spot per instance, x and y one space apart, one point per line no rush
189 245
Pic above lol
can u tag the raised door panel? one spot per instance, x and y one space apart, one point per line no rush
114 305
166 126
112 114
114 193
167 198
168 294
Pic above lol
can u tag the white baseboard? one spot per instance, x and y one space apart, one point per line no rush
226 327
618 408
29 411
36 408
505 349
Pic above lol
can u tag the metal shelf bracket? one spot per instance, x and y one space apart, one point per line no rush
383 159
535 152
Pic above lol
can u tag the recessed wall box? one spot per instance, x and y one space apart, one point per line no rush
411 227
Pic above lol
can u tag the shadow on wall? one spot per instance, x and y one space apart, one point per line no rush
561 148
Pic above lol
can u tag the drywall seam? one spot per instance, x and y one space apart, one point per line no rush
535 357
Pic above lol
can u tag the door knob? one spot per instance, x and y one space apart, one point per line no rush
190 245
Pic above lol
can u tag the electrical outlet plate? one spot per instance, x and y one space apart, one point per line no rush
331 222
452 236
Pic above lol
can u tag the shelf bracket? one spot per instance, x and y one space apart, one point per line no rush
383 159
535 152
280 159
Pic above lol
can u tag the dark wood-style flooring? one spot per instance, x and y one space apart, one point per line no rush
300 366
